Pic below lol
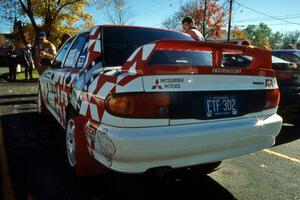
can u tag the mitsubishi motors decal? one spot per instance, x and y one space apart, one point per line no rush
167 83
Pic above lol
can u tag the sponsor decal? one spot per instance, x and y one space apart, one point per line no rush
47 74
269 83
230 71
81 61
107 147
90 130
258 83
168 83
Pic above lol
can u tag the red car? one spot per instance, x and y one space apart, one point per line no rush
133 99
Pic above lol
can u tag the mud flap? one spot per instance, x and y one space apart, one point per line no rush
86 165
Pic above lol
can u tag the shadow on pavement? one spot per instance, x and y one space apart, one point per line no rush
19 102
1 185
38 168
290 130
12 96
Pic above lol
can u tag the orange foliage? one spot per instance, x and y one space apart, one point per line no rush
239 34
214 20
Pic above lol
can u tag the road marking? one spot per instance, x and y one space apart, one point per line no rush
8 192
287 124
282 155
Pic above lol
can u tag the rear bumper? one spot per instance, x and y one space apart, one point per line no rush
139 149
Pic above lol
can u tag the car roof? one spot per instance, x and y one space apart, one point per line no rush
134 26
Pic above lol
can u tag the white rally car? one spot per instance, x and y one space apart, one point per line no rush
133 99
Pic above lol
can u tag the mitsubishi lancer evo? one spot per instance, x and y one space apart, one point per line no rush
133 99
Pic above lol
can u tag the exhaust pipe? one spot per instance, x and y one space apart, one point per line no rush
163 174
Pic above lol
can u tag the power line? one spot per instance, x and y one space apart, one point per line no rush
263 18
266 19
279 24
262 13
153 6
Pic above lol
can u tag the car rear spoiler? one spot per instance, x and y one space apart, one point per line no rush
261 58
137 63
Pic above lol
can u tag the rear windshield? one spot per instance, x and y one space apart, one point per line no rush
235 60
180 58
297 53
120 42
288 56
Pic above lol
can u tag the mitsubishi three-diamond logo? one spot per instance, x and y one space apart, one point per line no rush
157 85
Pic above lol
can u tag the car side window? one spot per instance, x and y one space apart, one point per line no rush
61 54
75 51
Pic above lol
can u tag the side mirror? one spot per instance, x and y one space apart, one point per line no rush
46 62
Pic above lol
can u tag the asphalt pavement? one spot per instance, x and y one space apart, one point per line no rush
33 164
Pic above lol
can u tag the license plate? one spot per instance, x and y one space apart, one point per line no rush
220 106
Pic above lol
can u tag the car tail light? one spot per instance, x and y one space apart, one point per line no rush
272 98
139 105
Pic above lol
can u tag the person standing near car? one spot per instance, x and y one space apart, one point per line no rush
28 62
189 28
43 50
12 63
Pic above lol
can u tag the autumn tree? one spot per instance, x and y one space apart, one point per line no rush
209 18
261 35
55 17
118 12
238 34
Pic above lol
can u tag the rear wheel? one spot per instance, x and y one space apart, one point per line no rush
70 141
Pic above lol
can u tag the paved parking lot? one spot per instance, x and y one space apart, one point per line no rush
33 164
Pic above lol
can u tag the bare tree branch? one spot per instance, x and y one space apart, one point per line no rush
29 13
119 13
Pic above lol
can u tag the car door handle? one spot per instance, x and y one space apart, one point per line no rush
68 79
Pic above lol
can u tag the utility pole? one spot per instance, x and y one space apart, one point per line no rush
204 19
229 20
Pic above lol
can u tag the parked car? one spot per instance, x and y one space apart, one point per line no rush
134 99
4 56
288 77
289 55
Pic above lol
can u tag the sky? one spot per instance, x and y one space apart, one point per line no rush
279 15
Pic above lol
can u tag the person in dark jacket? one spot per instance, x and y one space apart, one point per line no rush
189 28
12 63
28 61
